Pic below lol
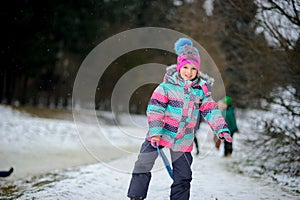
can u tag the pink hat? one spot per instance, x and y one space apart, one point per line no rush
187 54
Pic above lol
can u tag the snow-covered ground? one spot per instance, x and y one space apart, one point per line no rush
52 160
36 145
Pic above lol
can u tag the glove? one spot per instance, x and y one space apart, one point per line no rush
154 140
225 136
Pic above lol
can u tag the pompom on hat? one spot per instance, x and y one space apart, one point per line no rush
227 100
187 54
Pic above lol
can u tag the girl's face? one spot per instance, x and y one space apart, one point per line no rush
188 72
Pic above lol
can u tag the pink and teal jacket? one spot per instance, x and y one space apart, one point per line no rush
173 111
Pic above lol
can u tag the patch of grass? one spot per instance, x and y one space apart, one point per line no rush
46 112
9 192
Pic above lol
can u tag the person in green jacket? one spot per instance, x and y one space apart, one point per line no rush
227 110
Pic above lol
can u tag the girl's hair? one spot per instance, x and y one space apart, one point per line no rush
199 77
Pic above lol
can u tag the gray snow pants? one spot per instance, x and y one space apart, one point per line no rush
141 176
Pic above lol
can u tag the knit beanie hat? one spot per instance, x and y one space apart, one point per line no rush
227 100
187 54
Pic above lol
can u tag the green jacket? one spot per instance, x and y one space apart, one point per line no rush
229 117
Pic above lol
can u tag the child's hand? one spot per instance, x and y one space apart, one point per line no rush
225 136
154 140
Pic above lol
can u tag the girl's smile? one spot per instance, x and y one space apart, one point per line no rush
188 72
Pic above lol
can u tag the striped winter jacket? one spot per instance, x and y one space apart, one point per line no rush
173 111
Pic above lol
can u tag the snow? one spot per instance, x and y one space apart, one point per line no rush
208 6
53 161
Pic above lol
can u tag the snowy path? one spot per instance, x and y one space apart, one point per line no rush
45 153
211 181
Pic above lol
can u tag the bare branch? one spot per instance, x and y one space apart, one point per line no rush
294 19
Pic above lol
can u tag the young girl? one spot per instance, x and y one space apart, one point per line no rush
172 114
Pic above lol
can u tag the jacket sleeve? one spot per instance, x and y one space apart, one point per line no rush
211 113
156 110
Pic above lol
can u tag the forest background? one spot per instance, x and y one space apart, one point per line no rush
255 45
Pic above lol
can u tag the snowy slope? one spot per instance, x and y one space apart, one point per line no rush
50 152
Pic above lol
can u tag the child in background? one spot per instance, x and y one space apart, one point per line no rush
227 110
172 115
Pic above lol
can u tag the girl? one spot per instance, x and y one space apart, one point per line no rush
172 114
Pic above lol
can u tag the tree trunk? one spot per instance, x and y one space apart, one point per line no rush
9 89
2 79
23 98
